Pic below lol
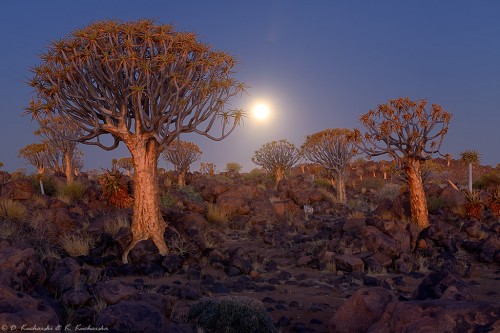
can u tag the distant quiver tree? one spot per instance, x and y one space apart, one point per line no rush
277 157
182 154
333 149
142 84
470 157
410 133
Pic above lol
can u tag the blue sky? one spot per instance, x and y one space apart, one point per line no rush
319 64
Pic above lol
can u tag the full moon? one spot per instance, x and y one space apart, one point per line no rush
261 111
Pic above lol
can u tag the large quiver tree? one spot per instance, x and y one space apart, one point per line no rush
143 84
333 149
410 133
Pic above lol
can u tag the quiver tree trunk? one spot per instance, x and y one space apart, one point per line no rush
279 174
418 202
470 177
147 222
340 186
181 179
68 167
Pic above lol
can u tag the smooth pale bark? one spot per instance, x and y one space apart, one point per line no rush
147 222
68 163
418 201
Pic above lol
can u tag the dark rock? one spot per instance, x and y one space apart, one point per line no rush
443 285
76 298
145 251
18 189
113 291
373 265
244 265
473 228
172 263
490 250
21 265
371 281
349 263
439 316
452 197
368 304
65 275
85 316
132 316
17 308
377 241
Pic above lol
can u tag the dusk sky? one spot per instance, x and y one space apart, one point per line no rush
317 64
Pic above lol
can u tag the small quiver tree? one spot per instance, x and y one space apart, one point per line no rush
470 157
127 164
333 149
410 133
277 157
142 84
182 154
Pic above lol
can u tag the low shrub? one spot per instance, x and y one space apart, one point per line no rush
434 204
192 193
74 191
113 225
389 190
168 200
231 314
372 184
48 182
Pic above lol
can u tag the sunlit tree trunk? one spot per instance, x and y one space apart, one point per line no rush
68 167
385 175
279 174
181 180
418 202
147 222
341 195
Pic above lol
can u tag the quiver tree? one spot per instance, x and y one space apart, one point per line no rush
207 168
39 155
127 164
410 133
55 131
470 157
142 84
182 154
277 157
333 149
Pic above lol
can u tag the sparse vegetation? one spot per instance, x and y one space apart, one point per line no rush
218 215
12 210
168 200
231 314
434 204
73 190
77 244
233 167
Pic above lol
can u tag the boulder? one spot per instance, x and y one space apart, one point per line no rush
113 291
377 241
439 316
21 265
132 316
368 305
452 197
349 263
66 273
18 189
18 309
443 285
490 250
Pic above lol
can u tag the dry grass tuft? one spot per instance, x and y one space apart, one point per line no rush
329 196
356 215
112 226
77 244
12 210
217 214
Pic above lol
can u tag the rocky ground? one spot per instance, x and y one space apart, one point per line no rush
360 267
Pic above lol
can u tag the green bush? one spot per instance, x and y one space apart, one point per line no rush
434 204
74 191
167 200
230 314
489 180
233 167
389 190
192 193
372 183
49 184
